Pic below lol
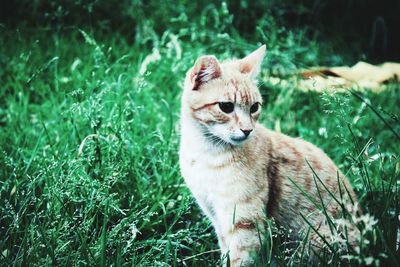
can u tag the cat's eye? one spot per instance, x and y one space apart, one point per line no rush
254 107
226 107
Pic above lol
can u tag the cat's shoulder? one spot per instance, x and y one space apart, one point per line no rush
284 142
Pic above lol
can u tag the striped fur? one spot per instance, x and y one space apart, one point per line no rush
239 184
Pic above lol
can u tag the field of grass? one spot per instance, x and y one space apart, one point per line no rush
89 171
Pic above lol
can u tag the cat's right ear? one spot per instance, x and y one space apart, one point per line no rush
205 69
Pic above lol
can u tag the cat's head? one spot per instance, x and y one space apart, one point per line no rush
223 98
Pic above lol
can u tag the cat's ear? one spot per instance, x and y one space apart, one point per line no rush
252 63
205 69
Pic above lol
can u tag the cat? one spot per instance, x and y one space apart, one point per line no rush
239 171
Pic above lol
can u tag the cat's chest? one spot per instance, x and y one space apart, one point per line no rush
210 173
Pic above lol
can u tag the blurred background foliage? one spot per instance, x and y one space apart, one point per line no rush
361 29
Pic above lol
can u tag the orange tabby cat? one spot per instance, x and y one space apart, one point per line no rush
237 169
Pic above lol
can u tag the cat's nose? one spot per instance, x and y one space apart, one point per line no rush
246 132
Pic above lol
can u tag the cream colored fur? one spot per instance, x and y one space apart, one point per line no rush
247 178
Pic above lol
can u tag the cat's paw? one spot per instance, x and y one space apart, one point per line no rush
243 261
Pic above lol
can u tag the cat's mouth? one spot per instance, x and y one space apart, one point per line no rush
238 139
221 142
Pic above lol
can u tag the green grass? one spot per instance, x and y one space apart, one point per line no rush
89 147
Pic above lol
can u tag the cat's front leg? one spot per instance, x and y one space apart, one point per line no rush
244 239
209 210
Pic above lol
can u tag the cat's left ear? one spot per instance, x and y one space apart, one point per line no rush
252 63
